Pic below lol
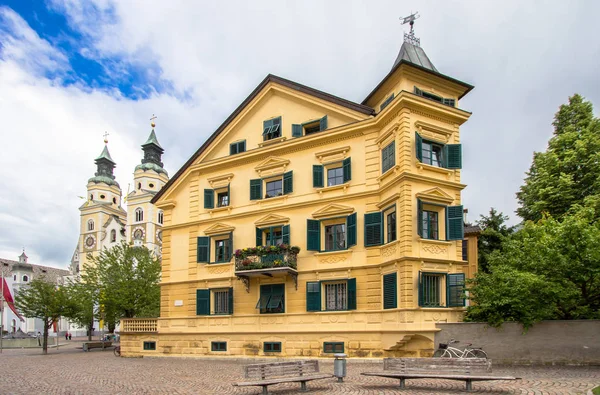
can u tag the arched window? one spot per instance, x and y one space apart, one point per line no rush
160 217
139 214
25 279
13 326
92 196
91 224
113 236
139 185
15 277
114 200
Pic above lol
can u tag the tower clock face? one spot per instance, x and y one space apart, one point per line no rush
89 241
138 234
159 236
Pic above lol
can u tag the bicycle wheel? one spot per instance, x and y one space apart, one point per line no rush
477 353
438 353
117 351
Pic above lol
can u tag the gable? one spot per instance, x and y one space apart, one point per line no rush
333 210
272 219
218 229
435 195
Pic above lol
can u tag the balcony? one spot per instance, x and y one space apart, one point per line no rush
270 261
139 325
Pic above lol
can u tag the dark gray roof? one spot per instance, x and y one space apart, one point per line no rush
472 229
51 273
414 54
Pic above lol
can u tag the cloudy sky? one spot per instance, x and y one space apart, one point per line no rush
71 70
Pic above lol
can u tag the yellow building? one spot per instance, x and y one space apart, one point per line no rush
370 196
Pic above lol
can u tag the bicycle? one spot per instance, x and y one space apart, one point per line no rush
117 351
447 351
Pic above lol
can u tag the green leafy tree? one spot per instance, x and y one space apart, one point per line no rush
547 270
569 171
494 231
44 300
83 309
126 279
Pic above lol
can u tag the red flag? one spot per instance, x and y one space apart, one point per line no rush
9 300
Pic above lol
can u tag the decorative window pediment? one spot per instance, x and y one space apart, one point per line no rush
219 228
387 202
220 181
333 155
435 195
272 219
272 166
433 132
333 210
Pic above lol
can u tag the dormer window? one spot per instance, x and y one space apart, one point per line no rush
431 96
310 127
139 215
90 225
272 129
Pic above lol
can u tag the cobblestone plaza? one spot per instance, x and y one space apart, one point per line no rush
71 371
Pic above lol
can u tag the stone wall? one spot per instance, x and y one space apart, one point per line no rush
548 342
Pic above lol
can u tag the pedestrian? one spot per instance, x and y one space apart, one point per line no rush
66 335
39 337
69 335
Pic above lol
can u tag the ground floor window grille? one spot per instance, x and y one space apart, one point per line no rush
336 296
221 302
430 287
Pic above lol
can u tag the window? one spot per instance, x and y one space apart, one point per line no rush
373 229
237 147
222 253
336 296
272 346
433 153
310 127
102 197
274 236
272 129
218 346
390 293
15 277
223 247
391 226
223 199
388 157
333 347
161 217
114 200
25 279
149 346
139 214
139 185
431 96
221 302
335 237
92 196
386 102
430 225
335 176
90 225
431 289
221 298
274 188
272 299
465 250
113 236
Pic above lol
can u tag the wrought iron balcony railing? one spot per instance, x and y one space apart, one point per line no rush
266 257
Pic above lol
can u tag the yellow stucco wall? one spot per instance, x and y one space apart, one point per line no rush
367 331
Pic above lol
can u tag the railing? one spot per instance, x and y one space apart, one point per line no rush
266 257
139 324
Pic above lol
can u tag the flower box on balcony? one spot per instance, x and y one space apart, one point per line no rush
266 257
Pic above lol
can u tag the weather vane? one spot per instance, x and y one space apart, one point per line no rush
410 37
106 137
152 123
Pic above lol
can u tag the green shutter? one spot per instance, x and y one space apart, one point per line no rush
230 242
323 123
453 156
256 189
418 91
386 102
317 176
277 292
202 302
455 284
288 183
313 296
449 102
420 217
390 292
296 130
351 294
419 146
454 223
203 249
421 290
259 237
228 195
230 300
351 226
347 169
373 229
313 235
209 198
285 232
243 147
233 149
265 296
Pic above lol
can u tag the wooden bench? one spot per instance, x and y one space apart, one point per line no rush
465 369
87 346
265 374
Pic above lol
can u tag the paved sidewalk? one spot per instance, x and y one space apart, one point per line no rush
72 371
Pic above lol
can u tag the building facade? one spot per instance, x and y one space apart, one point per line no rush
308 224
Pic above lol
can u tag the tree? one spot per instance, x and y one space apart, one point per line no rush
547 270
83 310
44 300
126 279
569 171
494 233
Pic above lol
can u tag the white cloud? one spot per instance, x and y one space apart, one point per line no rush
524 59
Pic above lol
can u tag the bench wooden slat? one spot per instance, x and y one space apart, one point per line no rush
267 374
284 380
